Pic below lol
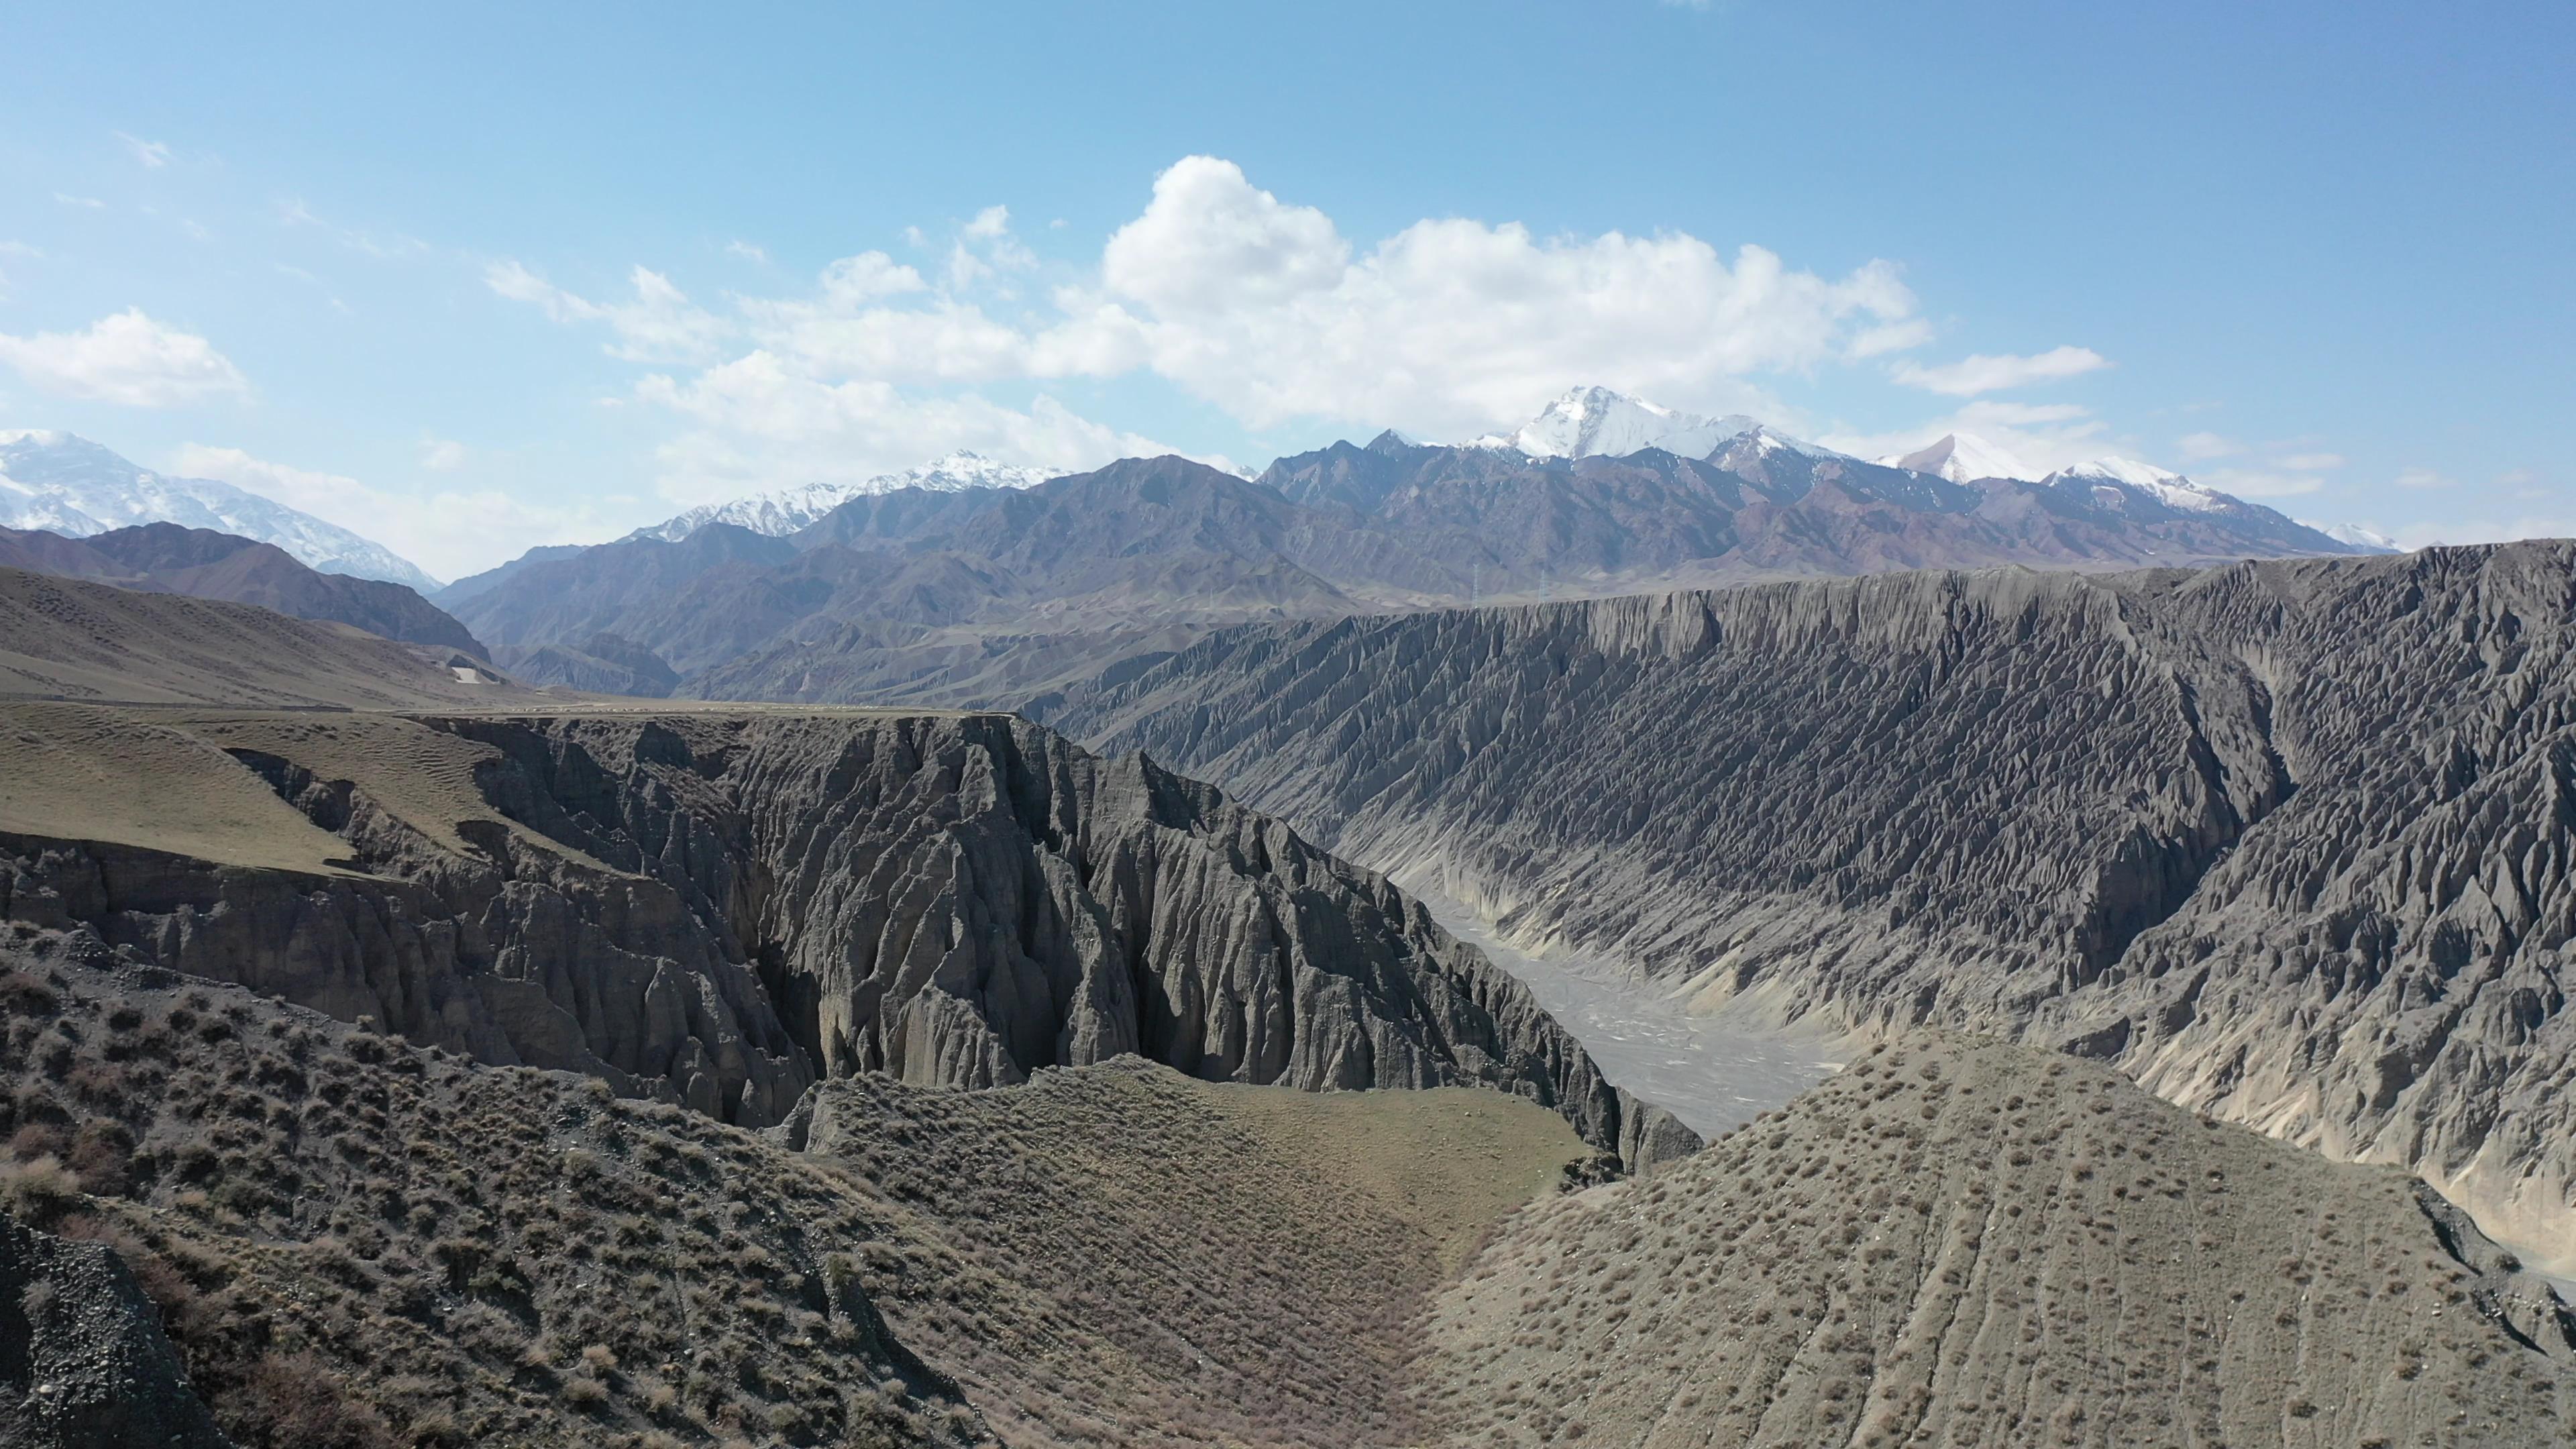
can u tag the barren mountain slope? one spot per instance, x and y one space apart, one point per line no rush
718 909
66 638
2292 841
204 564
1967 1243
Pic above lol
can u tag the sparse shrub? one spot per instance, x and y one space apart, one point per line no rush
39 1192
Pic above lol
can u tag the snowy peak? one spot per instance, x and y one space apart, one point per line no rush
66 484
1603 422
1964 458
2171 489
2353 535
790 509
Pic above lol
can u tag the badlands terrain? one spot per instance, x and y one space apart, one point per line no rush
2124 1005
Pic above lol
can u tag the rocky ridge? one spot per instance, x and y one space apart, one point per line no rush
2291 842
719 909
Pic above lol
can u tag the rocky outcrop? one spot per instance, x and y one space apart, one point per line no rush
83 1361
1960 1242
718 910
2292 842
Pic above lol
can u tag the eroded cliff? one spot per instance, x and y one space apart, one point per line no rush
2294 842
718 909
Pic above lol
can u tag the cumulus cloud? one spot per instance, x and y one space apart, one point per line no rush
2199 447
748 251
1255 304
449 532
2422 478
1263 308
84 203
660 325
1980 373
1451 325
125 358
441 455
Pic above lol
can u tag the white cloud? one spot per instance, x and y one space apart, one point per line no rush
660 325
451 532
85 203
2200 447
2421 478
1449 326
1980 373
125 358
757 420
2313 462
1261 307
441 455
748 251
152 154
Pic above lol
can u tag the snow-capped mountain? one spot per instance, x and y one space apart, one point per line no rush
789 509
69 485
1589 421
2356 536
2171 489
1964 458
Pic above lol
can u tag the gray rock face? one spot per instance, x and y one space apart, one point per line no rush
718 910
83 1361
2292 842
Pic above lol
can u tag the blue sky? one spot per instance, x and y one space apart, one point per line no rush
472 280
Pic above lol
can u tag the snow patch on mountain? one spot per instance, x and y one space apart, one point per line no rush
2356 536
1964 458
1603 422
63 483
790 509
2168 488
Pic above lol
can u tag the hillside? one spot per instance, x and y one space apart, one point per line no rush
355 1242
2288 841
719 909
166 558
63 638
1963 1243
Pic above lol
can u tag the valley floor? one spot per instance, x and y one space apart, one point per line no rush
1713 1073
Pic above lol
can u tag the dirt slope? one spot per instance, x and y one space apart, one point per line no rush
1959 1242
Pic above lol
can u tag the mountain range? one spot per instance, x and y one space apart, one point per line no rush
59 483
946 591
790 509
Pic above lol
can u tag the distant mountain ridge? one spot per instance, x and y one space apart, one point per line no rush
62 483
789 509
999 596
164 558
